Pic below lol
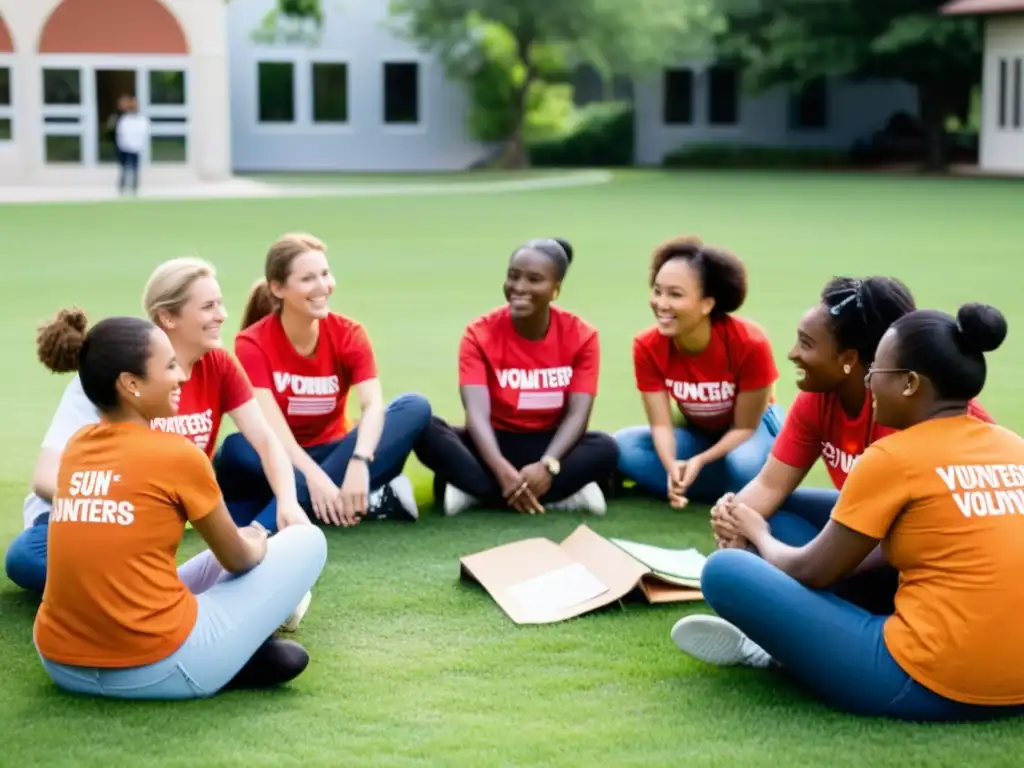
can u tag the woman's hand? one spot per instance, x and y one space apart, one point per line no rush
290 513
355 492
516 491
680 478
324 495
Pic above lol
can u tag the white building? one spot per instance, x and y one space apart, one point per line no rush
1002 88
697 102
350 96
64 63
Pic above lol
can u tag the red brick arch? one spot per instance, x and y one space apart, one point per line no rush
6 43
112 26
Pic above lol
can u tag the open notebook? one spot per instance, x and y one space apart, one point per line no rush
676 566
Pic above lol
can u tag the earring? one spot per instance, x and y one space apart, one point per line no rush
136 393
846 369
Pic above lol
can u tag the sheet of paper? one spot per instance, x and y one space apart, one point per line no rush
553 592
682 564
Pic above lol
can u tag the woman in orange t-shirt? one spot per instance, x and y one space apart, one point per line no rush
945 497
118 619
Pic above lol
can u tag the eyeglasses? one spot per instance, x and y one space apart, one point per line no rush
872 371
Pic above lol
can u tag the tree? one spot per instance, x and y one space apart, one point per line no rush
794 42
625 37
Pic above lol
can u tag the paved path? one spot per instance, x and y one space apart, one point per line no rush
238 188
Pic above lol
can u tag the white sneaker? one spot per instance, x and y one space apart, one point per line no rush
402 487
714 640
295 619
589 498
456 501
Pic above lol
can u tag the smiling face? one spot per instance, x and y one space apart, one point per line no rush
818 359
677 299
530 283
308 287
893 388
198 324
159 392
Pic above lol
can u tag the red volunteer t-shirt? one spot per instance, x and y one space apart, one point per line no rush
217 386
817 426
311 392
529 381
704 386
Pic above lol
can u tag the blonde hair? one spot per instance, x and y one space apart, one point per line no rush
168 287
276 269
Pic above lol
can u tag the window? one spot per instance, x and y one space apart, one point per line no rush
1002 93
62 87
6 105
723 95
401 93
166 88
677 97
330 92
276 92
63 148
808 107
1018 65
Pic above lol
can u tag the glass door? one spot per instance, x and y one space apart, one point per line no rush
112 85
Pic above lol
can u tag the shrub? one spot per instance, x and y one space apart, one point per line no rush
753 157
603 134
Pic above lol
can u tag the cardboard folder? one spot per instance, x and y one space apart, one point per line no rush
536 581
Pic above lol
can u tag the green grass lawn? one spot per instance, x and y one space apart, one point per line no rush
409 666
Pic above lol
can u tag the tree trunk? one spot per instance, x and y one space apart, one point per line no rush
931 106
516 156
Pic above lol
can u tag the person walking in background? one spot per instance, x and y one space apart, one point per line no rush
131 137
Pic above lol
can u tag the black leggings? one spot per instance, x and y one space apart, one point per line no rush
449 453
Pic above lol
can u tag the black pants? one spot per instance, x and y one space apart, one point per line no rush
450 454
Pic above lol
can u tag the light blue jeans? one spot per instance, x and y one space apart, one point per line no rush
639 462
236 616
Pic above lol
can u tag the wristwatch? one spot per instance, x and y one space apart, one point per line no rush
552 465
362 457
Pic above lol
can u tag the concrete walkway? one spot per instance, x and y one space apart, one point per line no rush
238 189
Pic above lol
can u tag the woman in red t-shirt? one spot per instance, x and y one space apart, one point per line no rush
716 368
832 418
528 378
303 360
183 298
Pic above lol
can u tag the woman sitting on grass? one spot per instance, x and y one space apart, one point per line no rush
717 368
303 360
118 619
528 378
832 418
183 298
944 495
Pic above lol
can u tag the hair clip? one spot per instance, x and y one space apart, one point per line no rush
834 311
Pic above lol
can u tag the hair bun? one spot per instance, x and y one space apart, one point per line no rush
566 246
73 319
59 342
980 327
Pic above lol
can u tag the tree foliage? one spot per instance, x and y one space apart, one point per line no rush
793 42
615 36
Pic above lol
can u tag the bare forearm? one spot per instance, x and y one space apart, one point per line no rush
572 428
664 439
371 424
731 440
760 497
278 469
486 443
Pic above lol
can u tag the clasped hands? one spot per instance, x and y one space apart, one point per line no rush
523 488
735 524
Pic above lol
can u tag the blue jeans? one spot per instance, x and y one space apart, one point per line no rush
249 497
237 614
831 646
25 562
639 462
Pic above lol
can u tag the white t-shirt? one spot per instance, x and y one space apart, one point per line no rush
132 132
74 412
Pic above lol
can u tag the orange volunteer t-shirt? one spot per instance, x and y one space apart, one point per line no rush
113 597
946 497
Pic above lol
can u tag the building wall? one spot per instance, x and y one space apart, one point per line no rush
1002 120
852 111
333 139
90 36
